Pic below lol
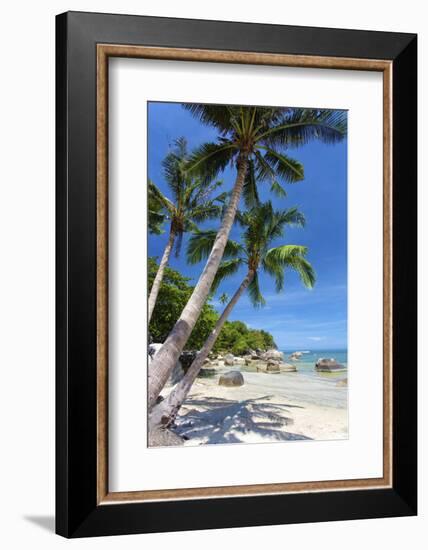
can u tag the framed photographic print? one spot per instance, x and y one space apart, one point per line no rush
236 274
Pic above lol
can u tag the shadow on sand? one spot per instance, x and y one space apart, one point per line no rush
220 420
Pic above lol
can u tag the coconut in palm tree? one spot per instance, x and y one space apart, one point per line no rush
254 140
190 204
262 225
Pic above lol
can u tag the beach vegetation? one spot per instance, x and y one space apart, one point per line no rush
255 141
262 225
190 203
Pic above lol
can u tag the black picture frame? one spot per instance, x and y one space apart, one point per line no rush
77 511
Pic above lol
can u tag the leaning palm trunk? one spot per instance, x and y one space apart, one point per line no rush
165 413
159 275
169 353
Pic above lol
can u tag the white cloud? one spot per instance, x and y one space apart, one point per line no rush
316 338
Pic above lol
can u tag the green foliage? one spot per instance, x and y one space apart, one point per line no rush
191 202
261 135
173 295
262 225
236 337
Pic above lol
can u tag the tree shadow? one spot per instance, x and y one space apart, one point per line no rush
222 420
45 522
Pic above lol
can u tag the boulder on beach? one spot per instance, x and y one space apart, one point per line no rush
152 350
273 354
239 361
231 378
286 367
272 366
329 365
229 359
275 367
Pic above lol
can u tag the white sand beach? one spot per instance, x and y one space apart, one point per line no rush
267 408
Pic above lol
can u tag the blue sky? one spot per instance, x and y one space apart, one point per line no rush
297 318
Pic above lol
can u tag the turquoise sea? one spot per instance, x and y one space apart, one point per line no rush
306 363
307 384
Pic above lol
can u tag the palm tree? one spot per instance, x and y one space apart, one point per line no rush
223 298
190 204
254 140
262 226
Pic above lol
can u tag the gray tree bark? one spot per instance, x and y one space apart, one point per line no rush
169 354
164 413
159 275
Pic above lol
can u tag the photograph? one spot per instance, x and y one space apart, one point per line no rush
212 286
247 268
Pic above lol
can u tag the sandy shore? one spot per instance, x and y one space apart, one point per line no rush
267 408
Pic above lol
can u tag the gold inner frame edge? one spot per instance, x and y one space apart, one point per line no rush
104 51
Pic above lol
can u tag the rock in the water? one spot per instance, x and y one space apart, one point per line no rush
229 359
329 365
162 437
273 354
207 372
231 378
273 367
296 356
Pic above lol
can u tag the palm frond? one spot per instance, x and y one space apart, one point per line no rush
156 221
226 269
177 244
210 159
305 271
299 126
173 168
276 222
254 292
264 171
205 212
217 116
156 195
280 255
203 192
291 216
290 256
287 168
200 245
278 190
189 226
250 193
